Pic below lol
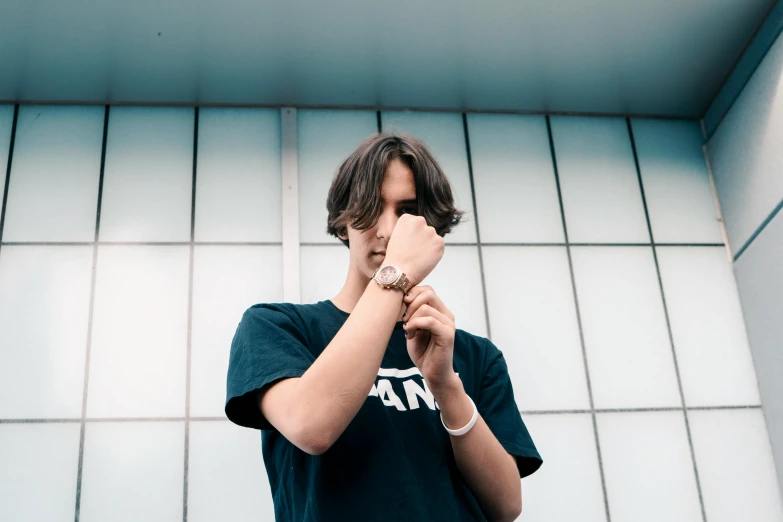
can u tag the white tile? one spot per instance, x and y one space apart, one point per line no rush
227 479
628 349
601 196
38 468
736 470
533 319
226 281
44 315
139 334
444 135
133 471
238 180
716 367
676 183
148 176
457 281
648 467
516 193
568 484
53 191
325 139
6 126
323 270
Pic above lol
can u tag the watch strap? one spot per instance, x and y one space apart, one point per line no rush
403 282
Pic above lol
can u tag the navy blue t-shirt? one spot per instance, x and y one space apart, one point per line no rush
394 461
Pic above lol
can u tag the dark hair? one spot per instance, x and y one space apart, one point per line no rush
355 195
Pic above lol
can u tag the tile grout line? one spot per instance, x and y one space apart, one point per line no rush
475 220
190 314
666 316
110 419
709 408
757 232
142 243
11 143
642 410
578 320
91 313
370 108
513 244
524 412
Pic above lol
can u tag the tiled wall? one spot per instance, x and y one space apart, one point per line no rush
133 238
746 154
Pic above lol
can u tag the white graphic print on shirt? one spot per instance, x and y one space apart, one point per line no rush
413 390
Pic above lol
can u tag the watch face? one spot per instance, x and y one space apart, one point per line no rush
387 275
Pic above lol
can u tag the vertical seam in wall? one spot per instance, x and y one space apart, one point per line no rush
715 199
578 318
666 316
378 120
91 312
8 169
190 313
475 219
290 204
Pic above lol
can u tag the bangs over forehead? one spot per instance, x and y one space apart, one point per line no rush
355 194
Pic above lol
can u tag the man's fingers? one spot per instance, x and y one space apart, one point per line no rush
414 292
425 295
428 323
424 312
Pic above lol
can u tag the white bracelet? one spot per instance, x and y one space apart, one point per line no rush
463 431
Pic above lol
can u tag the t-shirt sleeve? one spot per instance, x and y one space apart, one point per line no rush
499 410
268 346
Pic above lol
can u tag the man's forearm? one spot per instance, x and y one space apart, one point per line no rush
488 469
331 392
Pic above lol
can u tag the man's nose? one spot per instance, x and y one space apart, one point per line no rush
386 224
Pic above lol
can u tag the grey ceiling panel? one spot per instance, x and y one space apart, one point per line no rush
640 57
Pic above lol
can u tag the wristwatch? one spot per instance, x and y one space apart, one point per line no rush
390 276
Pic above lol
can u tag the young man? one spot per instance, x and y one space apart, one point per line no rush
373 405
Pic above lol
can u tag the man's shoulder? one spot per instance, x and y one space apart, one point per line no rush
282 311
480 348
475 348
463 337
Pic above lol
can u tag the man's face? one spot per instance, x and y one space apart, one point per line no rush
398 193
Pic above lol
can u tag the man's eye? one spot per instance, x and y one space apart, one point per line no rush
408 211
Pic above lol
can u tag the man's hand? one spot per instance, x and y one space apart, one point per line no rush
415 247
429 329
489 470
